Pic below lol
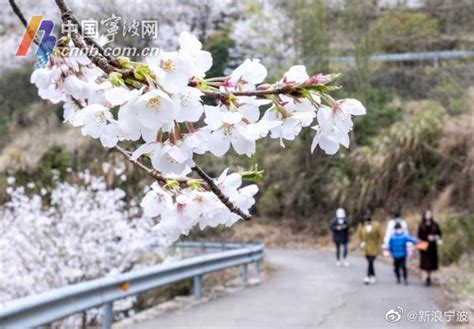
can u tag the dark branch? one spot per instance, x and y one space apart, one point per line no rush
96 57
216 190
224 95
22 18
151 172
18 13
91 42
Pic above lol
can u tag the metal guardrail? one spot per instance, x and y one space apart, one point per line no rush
56 304
410 57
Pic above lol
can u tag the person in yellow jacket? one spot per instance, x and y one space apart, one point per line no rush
370 237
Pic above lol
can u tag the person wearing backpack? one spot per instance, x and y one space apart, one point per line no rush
398 245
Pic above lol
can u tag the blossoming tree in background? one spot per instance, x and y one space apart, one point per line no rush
74 232
158 105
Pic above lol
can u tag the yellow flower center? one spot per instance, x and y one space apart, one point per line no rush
184 100
154 102
100 116
167 65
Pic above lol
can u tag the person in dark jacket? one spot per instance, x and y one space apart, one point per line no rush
430 232
340 233
397 245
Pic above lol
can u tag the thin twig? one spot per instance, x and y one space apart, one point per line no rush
222 95
18 13
149 171
217 191
22 18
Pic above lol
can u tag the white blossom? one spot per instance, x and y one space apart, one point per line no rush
248 74
190 49
154 109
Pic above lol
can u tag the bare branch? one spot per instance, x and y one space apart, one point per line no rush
22 18
18 12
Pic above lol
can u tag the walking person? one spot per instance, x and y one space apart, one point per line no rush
397 219
398 245
430 235
370 237
340 233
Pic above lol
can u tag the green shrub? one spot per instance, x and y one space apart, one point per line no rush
218 44
58 158
458 237
404 31
270 203
449 93
16 94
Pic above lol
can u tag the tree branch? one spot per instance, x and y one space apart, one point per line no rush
209 183
97 58
151 172
216 190
18 13
107 65
22 18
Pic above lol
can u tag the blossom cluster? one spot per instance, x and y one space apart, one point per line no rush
162 108
182 208
67 234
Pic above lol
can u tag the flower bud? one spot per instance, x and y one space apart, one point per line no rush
252 175
116 79
141 72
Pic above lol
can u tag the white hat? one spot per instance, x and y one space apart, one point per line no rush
340 213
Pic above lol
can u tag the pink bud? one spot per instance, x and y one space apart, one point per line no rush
318 79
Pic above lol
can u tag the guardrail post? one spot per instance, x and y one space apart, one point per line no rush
257 268
107 317
197 287
244 274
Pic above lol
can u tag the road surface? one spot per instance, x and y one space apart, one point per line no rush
309 291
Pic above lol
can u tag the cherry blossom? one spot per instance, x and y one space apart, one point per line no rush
188 105
329 141
228 129
154 109
172 70
180 208
159 105
335 125
93 119
248 74
296 74
190 49
67 234
293 114
340 114
156 201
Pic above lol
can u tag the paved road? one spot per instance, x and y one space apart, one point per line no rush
308 291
